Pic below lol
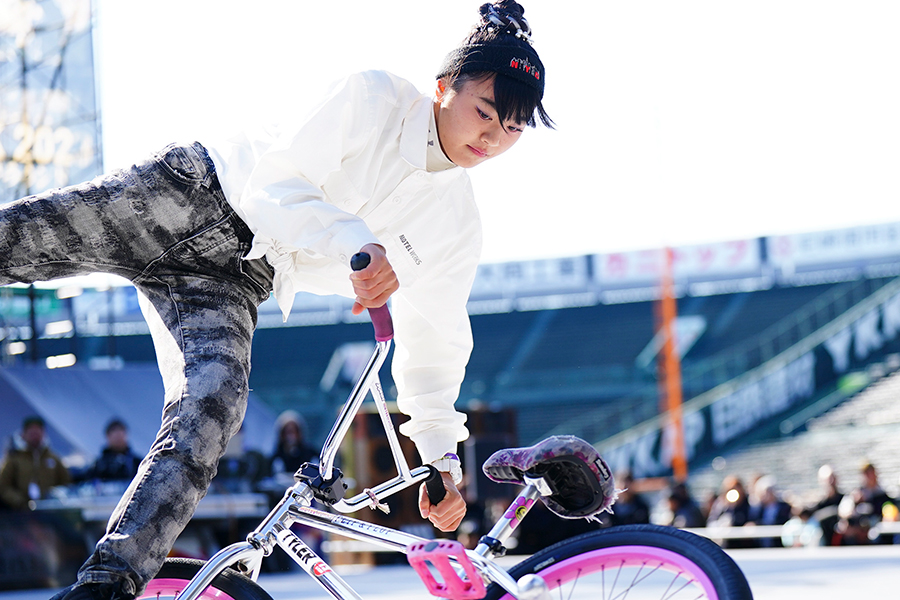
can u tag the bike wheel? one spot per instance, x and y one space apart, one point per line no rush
177 572
634 561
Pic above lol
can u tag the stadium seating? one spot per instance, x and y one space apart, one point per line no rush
863 428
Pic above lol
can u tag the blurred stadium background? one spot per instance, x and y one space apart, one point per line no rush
773 333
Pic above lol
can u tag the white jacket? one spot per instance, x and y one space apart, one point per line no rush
354 173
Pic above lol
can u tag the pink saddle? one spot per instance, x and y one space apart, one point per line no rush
581 481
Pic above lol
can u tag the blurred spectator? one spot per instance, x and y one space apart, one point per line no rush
30 467
291 449
683 511
239 469
290 452
861 509
731 509
117 462
825 511
890 513
753 489
769 509
629 508
707 504
802 531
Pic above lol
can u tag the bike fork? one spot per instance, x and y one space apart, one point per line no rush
241 552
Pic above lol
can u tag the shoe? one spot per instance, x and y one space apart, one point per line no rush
93 591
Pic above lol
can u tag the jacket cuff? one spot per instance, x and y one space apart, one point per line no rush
434 444
349 240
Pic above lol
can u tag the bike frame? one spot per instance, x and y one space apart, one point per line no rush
296 507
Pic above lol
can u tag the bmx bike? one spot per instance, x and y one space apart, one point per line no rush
633 561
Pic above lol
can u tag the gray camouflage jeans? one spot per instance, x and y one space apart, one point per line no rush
165 225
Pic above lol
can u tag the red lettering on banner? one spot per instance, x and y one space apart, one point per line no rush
783 246
678 256
648 263
741 251
707 258
616 265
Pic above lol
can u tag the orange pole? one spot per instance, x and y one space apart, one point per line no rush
670 367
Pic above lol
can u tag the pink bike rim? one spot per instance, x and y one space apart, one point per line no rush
627 556
172 587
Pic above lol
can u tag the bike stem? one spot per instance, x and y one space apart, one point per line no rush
369 382
351 407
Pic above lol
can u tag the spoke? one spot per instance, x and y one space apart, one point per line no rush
637 579
686 583
574 582
612 590
648 574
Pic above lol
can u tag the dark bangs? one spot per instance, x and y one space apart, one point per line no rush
519 102
514 100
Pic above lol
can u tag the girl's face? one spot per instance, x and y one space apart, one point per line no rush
468 127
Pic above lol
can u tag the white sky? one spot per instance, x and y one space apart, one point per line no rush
678 122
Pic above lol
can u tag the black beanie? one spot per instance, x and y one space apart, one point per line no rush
516 60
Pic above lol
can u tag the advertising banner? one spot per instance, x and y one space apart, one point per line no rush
526 277
834 248
742 407
739 258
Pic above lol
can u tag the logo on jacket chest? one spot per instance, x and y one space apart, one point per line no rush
409 249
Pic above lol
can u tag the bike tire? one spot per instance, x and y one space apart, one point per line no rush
633 559
177 572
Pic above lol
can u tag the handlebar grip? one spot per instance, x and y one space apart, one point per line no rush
434 486
381 316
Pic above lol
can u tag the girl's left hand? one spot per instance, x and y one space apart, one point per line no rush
374 284
449 512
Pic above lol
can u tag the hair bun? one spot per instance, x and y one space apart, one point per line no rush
507 16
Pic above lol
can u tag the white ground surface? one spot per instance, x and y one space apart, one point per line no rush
777 574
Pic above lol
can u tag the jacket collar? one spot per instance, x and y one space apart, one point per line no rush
414 135
19 444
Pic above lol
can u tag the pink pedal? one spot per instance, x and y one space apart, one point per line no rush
438 553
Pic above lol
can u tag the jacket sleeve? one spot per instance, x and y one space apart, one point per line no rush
62 475
283 197
433 345
9 494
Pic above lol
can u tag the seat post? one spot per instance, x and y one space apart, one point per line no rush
492 543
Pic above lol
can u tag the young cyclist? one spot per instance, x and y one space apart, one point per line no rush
206 233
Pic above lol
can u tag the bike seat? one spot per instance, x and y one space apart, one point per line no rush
581 482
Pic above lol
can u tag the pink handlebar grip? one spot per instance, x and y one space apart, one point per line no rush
381 316
382 322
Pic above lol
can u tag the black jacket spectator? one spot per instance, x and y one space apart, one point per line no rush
117 461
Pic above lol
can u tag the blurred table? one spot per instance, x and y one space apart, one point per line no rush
212 506
44 547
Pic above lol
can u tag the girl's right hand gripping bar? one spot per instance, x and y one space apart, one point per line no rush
381 316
